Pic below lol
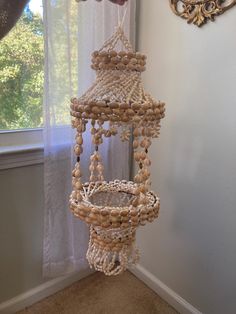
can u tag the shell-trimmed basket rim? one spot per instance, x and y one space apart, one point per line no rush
106 215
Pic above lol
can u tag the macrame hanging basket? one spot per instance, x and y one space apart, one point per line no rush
115 105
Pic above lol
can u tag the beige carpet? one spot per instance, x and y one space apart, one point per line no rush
98 294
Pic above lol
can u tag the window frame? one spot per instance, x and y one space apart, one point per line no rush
21 147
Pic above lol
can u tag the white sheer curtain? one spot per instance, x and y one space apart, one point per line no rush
72 32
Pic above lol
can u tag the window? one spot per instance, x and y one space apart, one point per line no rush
21 72
21 90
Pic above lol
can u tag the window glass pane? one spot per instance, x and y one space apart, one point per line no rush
21 72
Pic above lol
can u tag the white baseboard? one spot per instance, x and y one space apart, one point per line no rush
171 297
36 294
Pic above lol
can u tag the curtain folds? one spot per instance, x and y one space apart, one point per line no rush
72 32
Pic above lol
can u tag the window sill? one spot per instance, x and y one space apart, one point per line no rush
21 156
9 150
20 149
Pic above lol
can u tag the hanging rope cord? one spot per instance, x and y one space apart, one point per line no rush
111 43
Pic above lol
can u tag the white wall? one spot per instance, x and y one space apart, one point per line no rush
21 230
192 247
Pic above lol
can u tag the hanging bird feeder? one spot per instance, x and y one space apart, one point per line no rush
115 105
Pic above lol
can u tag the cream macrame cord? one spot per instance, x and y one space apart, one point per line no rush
115 104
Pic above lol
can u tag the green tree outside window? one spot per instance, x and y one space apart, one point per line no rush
21 74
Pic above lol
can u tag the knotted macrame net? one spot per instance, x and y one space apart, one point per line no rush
115 105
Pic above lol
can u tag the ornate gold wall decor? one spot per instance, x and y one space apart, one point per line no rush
199 12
